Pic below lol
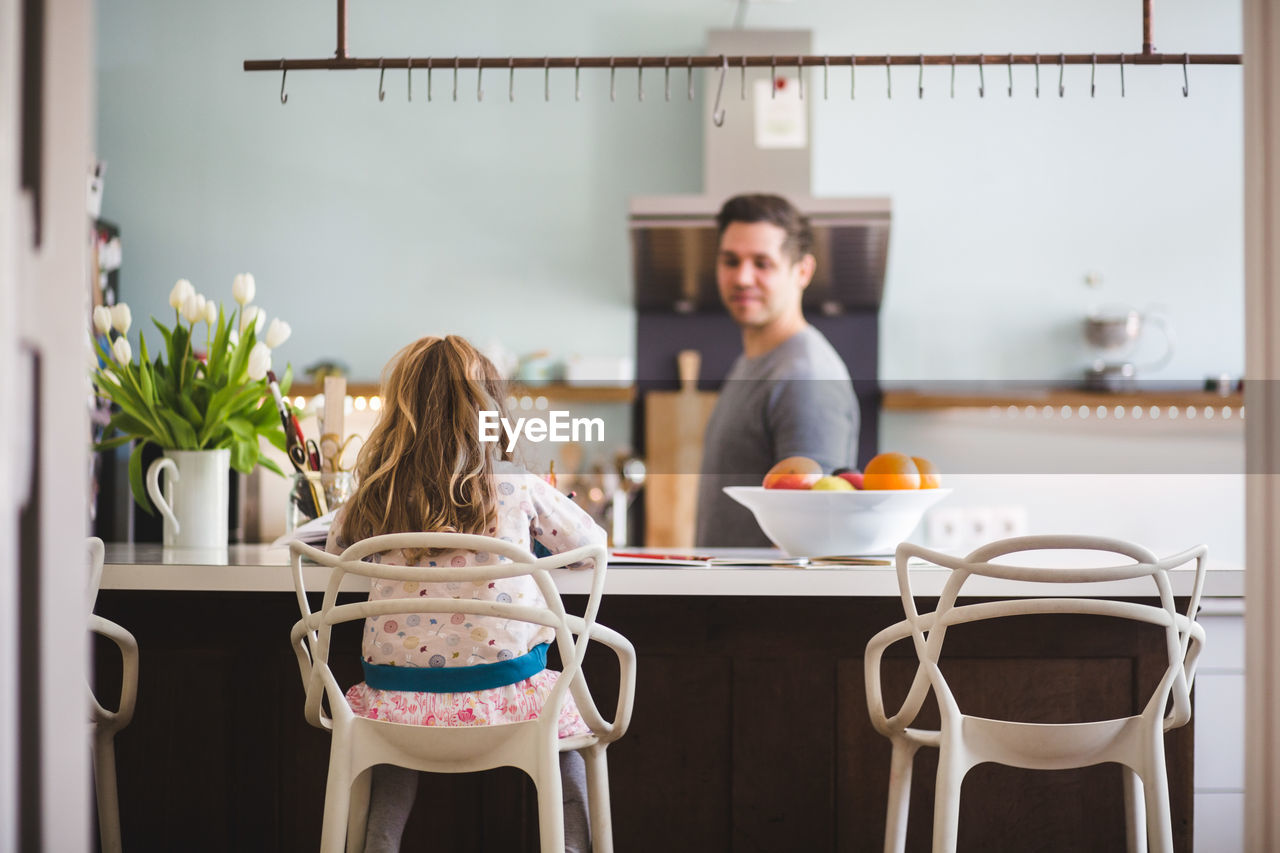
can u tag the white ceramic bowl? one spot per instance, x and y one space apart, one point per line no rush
822 523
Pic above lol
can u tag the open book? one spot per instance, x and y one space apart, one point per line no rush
314 532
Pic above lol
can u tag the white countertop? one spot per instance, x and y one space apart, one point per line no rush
260 568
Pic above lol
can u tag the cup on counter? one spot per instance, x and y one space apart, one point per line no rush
314 493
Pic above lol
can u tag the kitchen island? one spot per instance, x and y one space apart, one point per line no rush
750 730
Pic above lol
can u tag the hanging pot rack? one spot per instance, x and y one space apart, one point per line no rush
342 61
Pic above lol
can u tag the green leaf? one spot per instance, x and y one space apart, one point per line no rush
135 478
126 423
189 411
112 443
168 342
183 433
287 380
270 465
241 428
277 439
244 455
144 373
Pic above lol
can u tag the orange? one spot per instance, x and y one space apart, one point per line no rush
930 476
891 471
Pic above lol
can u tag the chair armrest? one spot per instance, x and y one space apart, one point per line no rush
605 730
128 646
883 723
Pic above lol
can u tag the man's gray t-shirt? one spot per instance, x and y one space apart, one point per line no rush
795 400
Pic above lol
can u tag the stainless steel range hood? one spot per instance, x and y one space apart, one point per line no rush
674 245
673 238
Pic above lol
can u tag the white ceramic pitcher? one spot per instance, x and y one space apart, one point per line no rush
194 504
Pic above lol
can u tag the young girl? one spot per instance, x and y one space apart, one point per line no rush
424 468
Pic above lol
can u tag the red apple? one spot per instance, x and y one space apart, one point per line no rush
852 475
794 472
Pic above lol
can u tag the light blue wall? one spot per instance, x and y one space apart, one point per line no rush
368 224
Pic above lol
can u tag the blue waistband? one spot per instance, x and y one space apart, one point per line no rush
456 679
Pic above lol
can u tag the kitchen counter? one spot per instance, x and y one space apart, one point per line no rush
750 729
260 568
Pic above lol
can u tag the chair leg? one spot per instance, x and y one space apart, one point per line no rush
104 775
1135 811
895 826
598 799
337 796
550 807
358 814
1155 783
946 800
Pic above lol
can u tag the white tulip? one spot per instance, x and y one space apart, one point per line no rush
193 308
121 350
249 316
102 319
278 332
211 312
233 338
181 290
259 361
121 318
242 288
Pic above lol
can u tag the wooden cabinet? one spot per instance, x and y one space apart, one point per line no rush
750 731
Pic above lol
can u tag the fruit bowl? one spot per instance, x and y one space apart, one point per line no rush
806 523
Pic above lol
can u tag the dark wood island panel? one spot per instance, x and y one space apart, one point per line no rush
750 731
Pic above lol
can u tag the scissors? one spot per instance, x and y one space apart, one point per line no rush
333 451
313 455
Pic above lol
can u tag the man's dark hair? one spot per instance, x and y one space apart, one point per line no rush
774 210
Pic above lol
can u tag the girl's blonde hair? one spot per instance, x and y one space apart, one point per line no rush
424 466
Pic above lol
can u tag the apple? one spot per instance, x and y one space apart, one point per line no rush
850 475
794 472
832 483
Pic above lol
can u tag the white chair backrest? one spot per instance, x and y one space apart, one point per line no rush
315 628
928 630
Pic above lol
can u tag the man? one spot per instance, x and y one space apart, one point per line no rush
789 393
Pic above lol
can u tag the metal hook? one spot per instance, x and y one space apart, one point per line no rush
1186 84
826 74
511 79
800 74
689 74
639 79
284 72
888 75
409 75
666 78
1011 75
742 82
1093 73
455 78
953 75
717 112
1122 75
1062 59
1037 75
382 94
428 79
920 78
773 77
613 89
546 79
577 80
982 76
853 78
479 80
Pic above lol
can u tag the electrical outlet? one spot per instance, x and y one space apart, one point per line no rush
944 528
1009 521
979 525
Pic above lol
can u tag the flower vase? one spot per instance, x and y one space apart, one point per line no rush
194 502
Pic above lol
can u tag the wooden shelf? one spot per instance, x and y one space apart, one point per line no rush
912 401
555 391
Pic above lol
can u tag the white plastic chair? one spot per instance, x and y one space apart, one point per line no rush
963 741
533 745
104 724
